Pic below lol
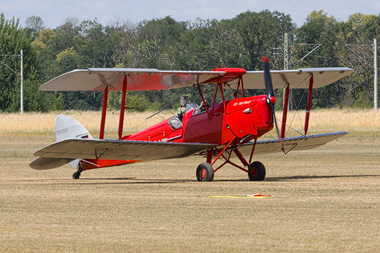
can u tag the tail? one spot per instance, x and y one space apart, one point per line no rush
69 128
65 128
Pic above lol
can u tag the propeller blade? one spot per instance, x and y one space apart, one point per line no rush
271 99
268 80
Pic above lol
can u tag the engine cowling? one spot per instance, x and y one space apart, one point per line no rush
249 116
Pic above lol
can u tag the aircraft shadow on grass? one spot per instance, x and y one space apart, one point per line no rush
133 180
277 179
127 181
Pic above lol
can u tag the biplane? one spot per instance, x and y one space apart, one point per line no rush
225 130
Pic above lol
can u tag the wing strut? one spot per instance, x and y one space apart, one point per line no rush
308 105
203 99
104 111
122 107
285 111
240 82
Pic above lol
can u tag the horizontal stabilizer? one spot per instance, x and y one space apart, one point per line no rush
290 144
119 150
42 163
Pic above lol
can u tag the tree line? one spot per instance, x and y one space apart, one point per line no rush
175 45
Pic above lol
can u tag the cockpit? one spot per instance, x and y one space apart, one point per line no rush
176 121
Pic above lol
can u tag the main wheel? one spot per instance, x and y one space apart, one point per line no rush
205 172
257 171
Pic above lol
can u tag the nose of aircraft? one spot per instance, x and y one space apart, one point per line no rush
249 116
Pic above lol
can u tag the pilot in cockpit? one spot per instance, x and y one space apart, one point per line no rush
187 106
176 121
184 100
200 108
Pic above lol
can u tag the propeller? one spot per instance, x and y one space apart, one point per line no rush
271 99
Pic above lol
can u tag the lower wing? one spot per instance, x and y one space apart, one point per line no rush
59 153
290 144
62 152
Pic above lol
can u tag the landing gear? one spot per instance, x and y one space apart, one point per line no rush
205 172
256 171
76 175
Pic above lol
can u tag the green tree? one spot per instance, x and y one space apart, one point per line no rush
122 37
318 29
261 34
34 25
355 50
12 39
94 45
155 40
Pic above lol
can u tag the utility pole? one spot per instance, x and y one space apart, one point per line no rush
22 83
286 51
375 93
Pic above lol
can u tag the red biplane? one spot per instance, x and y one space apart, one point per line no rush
223 129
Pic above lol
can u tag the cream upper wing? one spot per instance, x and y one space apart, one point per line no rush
137 79
153 79
297 79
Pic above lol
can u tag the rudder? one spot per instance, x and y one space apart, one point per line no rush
67 127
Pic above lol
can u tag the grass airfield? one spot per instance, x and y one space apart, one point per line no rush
326 199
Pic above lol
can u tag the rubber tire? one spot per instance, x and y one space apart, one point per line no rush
205 172
260 171
76 175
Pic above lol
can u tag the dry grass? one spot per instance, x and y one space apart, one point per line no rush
323 200
44 123
356 122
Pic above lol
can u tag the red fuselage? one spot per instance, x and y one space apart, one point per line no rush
248 118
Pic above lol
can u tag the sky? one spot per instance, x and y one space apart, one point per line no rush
55 12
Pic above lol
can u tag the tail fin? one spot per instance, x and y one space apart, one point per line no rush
65 128
68 128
